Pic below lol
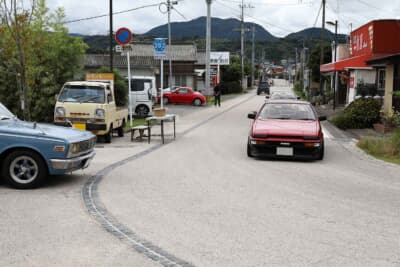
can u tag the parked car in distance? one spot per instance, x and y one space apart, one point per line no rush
281 95
168 89
30 151
183 95
286 129
263 87
143 95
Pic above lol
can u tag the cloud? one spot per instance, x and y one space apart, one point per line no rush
280 17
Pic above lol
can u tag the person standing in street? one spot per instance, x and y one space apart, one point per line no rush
217 95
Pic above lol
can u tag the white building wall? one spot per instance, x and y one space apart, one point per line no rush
365 76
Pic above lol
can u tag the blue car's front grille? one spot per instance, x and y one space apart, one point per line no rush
86 145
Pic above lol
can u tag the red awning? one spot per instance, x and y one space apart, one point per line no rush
348 63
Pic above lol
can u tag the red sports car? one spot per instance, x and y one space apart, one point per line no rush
184 95
286 128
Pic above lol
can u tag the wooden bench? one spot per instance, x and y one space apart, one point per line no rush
141 129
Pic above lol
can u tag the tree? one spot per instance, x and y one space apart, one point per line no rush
315 57
230 76
40 55
120 86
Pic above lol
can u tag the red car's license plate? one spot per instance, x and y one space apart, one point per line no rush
284 151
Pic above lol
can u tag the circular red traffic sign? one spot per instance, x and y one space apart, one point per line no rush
123 36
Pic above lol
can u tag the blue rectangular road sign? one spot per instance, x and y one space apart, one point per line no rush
159 48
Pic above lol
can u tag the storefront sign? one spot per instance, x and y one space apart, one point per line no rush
361 41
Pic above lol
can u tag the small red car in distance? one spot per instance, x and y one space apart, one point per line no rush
286 129
183 95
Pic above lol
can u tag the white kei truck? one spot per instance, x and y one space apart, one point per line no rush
90 105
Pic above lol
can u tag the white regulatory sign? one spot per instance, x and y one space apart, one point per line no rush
219 58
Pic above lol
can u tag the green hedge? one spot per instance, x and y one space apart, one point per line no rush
361 113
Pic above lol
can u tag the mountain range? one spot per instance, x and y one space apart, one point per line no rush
220 29
225 34
230 29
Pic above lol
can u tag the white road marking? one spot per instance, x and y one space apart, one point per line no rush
326 133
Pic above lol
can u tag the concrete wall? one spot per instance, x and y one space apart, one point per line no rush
388 98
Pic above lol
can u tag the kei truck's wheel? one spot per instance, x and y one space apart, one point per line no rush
24 169
120 129
108 135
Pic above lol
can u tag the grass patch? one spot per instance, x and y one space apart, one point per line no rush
386 148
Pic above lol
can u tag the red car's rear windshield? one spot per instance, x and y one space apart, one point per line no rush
287 111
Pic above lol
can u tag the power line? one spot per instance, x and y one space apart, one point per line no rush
316 19
269 4
180 14
345 19
375 7
257 19
106 15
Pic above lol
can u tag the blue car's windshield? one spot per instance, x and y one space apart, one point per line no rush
82 93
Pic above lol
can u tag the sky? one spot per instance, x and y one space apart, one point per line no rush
279 17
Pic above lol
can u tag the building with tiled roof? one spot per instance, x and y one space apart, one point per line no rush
143 63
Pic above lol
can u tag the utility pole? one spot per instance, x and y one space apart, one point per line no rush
295 66
242 31
322 50
335 88
170 5
111 36
208 47
242 43
169 44
252 55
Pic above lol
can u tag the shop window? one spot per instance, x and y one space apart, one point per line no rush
381 81
180 80
396 84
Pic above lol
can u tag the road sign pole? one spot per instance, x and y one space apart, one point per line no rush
162 82
129 89
159 53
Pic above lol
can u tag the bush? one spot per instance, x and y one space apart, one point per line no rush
343 121
120 87
361 113
396 119
232 87
298 89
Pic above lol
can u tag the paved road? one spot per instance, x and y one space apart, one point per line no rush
200 201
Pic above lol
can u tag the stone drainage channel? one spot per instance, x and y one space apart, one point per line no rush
111 224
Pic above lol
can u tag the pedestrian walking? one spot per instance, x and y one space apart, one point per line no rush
217 95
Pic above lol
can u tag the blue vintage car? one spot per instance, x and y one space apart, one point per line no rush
29 152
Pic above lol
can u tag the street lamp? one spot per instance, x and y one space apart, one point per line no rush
336 73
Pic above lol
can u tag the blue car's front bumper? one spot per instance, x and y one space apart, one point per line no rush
72 164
